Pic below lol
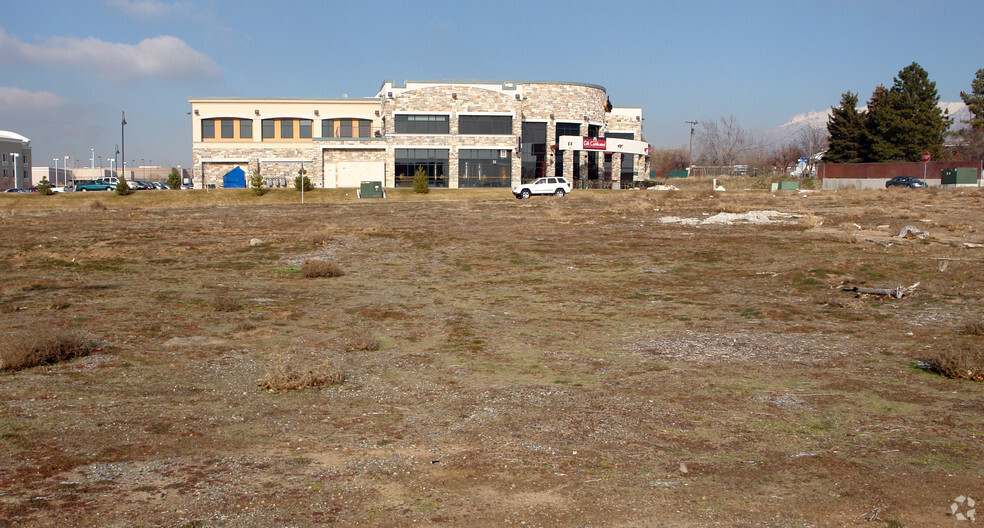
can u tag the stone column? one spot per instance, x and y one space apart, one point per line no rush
568 157
616 170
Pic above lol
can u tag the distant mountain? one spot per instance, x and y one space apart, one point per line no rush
788 131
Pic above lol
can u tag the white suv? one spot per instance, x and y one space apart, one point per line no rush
555 186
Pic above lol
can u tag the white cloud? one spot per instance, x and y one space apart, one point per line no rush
164 57
25 100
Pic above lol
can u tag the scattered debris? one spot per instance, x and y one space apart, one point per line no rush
751 217
896 293
972 245
914 231
255 242
880 242
683 468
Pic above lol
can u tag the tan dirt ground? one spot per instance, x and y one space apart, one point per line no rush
546 362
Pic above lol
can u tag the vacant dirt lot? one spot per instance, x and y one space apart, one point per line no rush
604 359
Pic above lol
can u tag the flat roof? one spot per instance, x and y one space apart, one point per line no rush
505 84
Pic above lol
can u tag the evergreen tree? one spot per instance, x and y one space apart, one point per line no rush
122 188
44 186
256 183
847 132
905 120
975 100
970 141
174 179
420 185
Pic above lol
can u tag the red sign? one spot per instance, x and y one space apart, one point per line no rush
595 143
925 156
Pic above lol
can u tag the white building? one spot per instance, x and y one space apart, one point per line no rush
15 153
461 133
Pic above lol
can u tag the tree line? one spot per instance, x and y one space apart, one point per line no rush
899 123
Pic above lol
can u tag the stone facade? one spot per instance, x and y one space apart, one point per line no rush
545 102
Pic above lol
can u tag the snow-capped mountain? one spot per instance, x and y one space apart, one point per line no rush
788 131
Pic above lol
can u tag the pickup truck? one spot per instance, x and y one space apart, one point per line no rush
84 186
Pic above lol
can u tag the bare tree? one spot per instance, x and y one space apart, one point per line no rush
722 144
784 156
668 159
812 141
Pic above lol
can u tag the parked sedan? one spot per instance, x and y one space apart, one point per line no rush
905 181
16 190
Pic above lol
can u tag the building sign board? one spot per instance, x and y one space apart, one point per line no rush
608 145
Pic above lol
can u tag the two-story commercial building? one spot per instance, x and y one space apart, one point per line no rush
461 133
15 153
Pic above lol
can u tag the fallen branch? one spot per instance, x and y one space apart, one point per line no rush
896 293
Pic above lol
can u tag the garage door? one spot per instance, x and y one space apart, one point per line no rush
351 173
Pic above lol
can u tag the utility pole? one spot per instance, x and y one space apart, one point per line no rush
691 123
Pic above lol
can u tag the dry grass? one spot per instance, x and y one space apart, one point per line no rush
361 339
960 358
974 327
285 373
21 351
223 302
321 238
321 268
97 206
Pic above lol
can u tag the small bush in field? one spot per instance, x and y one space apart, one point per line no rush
321 268
223 302
284 374
974 327
961 358
321 238
30 350
97 206
361 339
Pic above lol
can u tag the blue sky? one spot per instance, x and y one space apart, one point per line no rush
68 69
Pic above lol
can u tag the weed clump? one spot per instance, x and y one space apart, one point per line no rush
361 339
30 350
961 358
97 206
974 327
284 374
223 302
322 238
321 268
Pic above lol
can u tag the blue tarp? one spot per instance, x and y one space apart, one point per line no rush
234 179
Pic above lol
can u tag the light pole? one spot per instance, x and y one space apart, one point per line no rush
56 171
66 171
123 143
92 163
690 162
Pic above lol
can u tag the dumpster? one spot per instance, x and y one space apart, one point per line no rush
371 189
789 186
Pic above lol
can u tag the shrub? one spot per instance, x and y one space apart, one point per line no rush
321 268
283 374
321 238
960 358
974 327
97 206
174 179
308 186
256 183
360 339
420 181
223 302
21 351
122 188
44 186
